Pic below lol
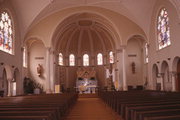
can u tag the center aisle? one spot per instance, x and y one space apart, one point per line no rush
91 109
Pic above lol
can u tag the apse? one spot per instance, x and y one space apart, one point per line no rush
79 35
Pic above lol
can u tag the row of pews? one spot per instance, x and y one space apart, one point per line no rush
144 105
36 107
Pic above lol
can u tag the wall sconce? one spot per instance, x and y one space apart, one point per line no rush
2 63
169 58
12 66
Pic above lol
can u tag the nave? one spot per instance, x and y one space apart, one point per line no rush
91 108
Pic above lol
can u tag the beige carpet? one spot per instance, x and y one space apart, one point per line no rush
91 109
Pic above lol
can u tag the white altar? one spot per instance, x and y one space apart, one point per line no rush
86 80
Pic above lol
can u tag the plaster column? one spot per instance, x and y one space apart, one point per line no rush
52 71
124 69
47 70
105 59
9 88
67 77
173 76
79 61
162 81
118 69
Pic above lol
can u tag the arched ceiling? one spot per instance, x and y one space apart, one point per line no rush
83 33
30 12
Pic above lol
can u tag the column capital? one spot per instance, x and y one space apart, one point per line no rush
118 50
48 48
123 46
173 73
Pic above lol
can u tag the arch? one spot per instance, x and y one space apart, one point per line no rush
174 63
137 36
176 72
106 23
137 72
8 72
155 73
165 74
30 40
16 79
4 85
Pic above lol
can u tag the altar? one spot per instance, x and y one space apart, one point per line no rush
86 80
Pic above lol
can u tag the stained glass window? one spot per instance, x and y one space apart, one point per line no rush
111 57
163 30
6 33
85 60
99 59
60 59
71 60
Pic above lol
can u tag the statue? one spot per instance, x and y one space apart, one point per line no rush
39 70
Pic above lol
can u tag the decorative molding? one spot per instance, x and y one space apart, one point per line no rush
118 50
132 55
39 58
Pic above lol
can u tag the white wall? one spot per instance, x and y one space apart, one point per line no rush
13 60
134 54
169 53
37 55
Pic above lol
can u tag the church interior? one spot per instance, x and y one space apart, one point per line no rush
117 59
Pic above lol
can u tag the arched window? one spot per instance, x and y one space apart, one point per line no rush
6 33
111 57
24 57
99 59
60 59
163 30
146 53
85 60
71 60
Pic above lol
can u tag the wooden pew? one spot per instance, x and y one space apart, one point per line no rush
164 112
38 107
142 103
172 117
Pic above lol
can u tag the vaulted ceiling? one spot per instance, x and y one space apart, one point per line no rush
30 12
83 33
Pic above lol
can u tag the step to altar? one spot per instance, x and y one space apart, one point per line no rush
94 95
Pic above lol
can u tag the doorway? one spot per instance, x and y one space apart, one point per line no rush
178 77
